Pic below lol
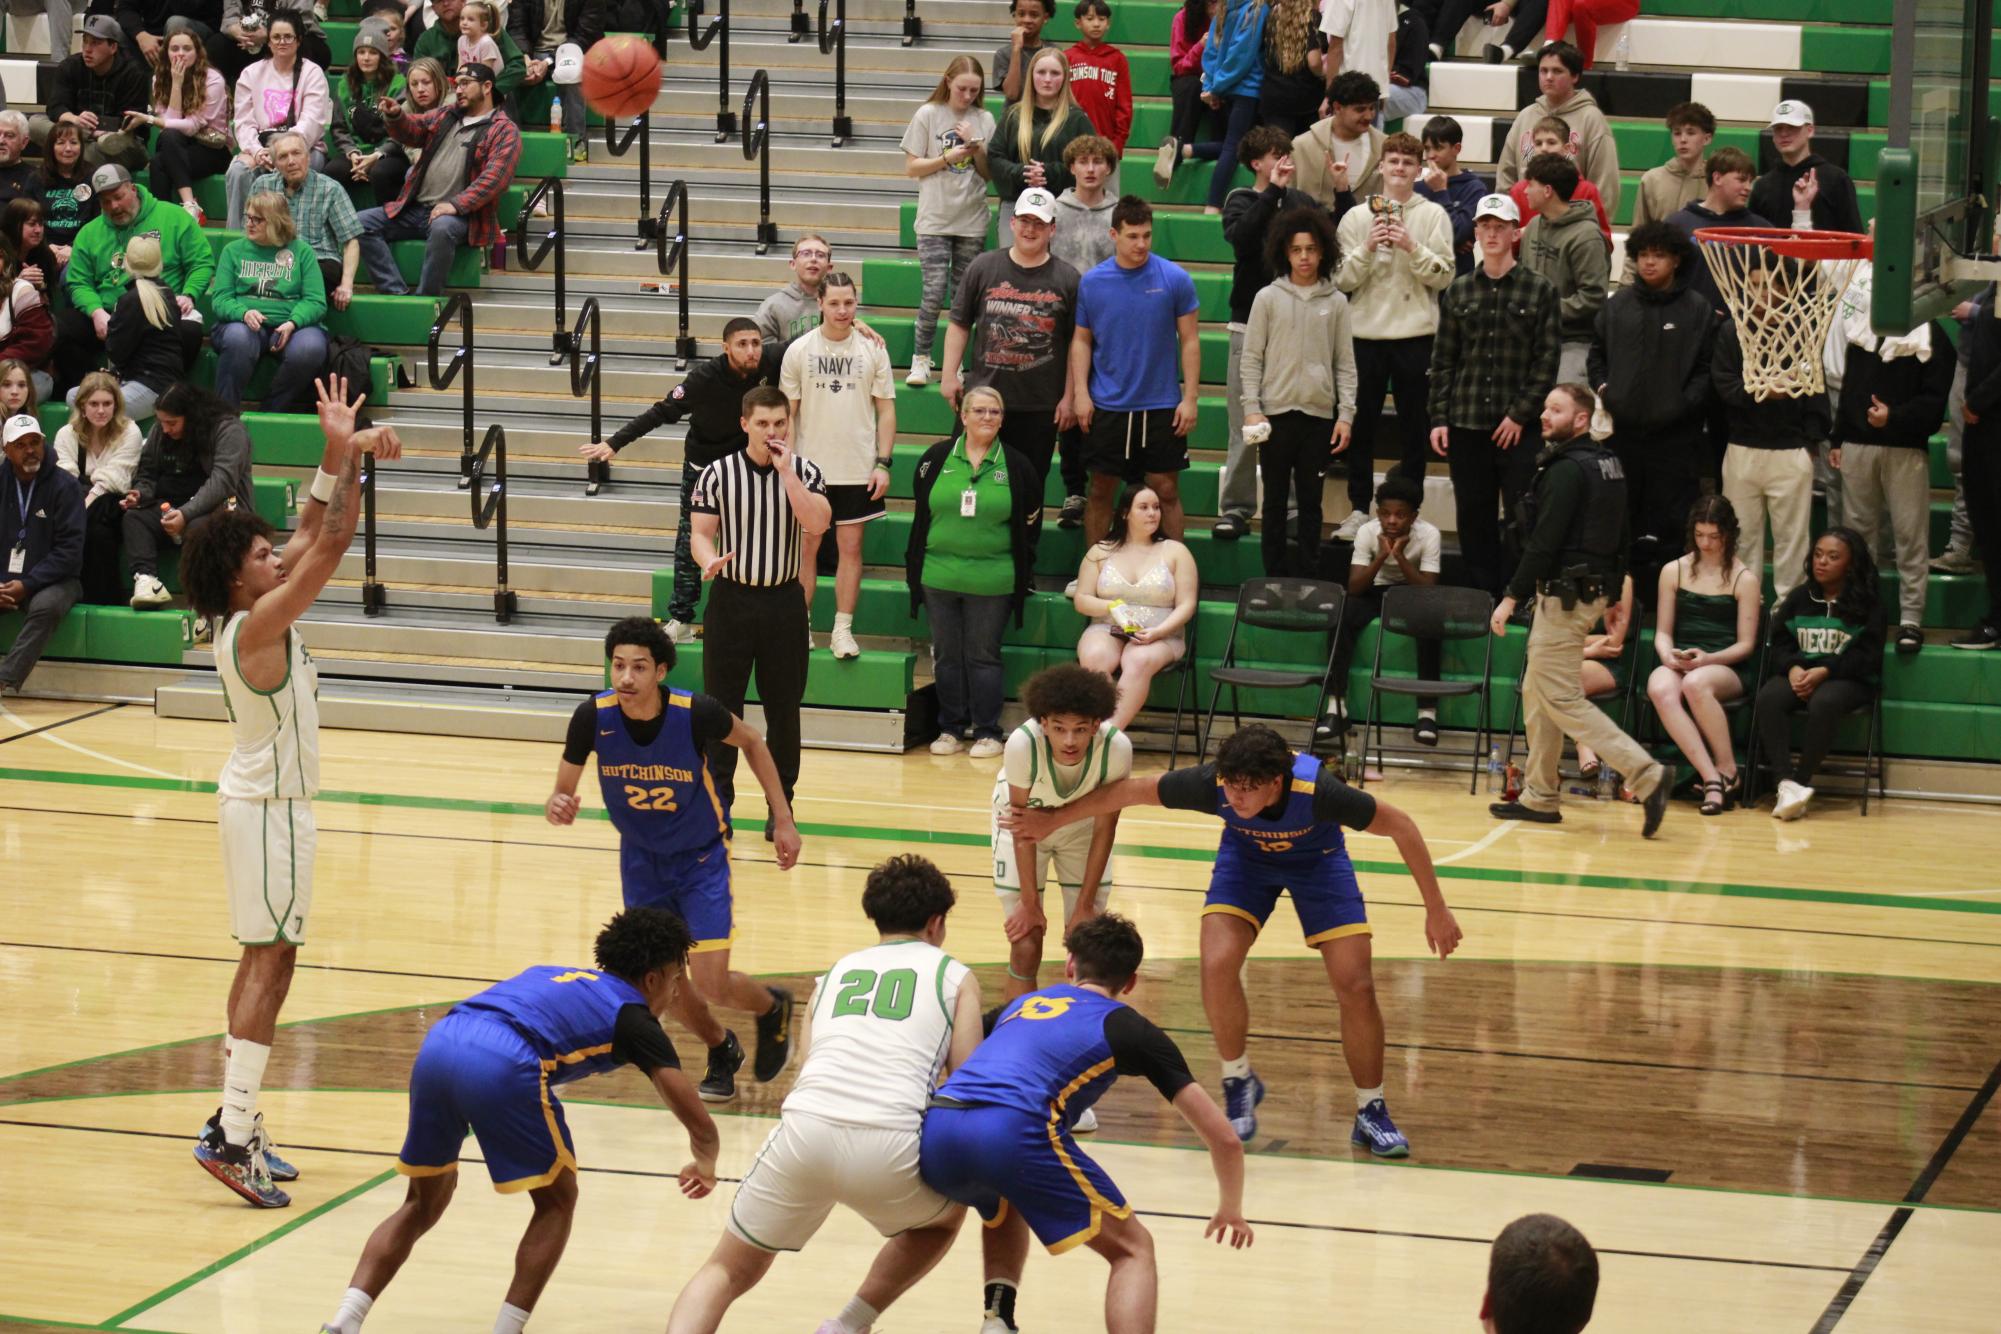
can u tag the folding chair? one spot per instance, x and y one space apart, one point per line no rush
1434 611
1297 606
1872 772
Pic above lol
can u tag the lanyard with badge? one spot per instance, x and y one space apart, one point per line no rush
17 559
969 499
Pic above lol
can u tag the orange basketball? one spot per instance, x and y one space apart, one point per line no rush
621 76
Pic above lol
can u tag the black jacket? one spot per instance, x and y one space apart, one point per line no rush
1914 391
711 398
75 89
1848 644
1651 356
137 16
1024 485
54 528
1247 217
1776 423
1982 336
156 358
1698 215
1835 208
1581 516
583 23
223 459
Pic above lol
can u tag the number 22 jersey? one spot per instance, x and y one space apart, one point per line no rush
654 772
880 1030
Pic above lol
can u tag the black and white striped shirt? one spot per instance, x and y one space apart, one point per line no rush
757 522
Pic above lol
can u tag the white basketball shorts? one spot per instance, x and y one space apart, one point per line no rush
808 1165
267 867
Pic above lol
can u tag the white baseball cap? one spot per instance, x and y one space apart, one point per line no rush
22 424
1498 206
569 65
1792 111
1036 203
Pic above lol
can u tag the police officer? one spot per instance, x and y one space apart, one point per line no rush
1576 524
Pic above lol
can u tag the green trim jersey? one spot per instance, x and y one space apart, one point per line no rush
275 753
880 1030
1030 762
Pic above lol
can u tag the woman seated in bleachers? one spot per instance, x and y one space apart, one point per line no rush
24 243
100 448
1139 588
269 299
1706 636
358 132
67 199
425 86
284 91
191 109
27 328
147 344
17 390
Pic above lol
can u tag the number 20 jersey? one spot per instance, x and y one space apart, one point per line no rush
659 795
881 1027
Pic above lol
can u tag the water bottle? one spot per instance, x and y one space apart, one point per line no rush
1608 782
555 113
1494 769
1622 51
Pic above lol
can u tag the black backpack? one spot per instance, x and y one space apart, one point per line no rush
349 357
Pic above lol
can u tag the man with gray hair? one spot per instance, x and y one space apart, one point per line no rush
17 178
321 210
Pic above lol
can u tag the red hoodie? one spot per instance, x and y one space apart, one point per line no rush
1102 85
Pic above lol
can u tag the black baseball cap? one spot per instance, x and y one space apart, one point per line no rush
475 70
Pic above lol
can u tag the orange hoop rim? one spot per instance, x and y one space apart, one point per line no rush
1792 243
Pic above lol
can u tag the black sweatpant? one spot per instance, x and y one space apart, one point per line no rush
180 162
1663 479
1484 478
103 524
79 350
1401 366
1292 460
1825 709
1980 477
1362 608
763 630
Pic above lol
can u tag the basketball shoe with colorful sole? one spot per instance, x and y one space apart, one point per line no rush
260 1142
240 1170
1376 1132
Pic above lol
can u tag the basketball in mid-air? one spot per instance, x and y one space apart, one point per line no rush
621 76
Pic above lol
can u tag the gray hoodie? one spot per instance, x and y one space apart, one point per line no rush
1298 353
1570 252
1083 236
1597 150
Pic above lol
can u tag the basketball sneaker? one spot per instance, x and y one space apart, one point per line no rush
244 1172
774 1037
260 1143
1240 1104
1374 1128
719 1085
1087 1124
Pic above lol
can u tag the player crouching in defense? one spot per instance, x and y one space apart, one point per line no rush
493 1064
882 1023
652 745
1282 817
998 1134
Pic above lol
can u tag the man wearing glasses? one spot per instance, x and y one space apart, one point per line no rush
795 307
451 196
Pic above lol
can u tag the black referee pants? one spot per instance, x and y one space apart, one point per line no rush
762 629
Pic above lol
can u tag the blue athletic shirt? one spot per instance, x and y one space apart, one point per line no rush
578 1021
1136 351
1054 1052
1304 825
657 789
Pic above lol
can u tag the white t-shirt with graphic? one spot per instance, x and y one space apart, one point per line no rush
952 202
837 385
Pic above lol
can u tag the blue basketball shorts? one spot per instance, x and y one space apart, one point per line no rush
694 885
1324 893
476 1073
1000 1158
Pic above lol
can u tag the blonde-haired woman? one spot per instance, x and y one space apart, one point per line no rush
100 448
1027 149
269 299
148 345
945 149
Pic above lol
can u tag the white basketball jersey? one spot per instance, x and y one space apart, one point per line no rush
881 1028
277 732
1031 763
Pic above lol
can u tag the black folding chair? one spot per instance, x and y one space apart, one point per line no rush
1297 606
1872 771
1433 611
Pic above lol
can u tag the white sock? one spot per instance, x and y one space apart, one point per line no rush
1237 1069
511 1320
1430 713
1363 1097
353 1310
242 1076
844 621
856 1317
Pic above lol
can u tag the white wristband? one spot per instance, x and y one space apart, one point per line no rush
324 486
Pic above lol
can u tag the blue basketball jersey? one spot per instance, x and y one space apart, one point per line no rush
1047 1056
1296 836
567 1015
659 796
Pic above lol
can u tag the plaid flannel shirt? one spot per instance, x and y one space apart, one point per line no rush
321 211
489 172
1497 350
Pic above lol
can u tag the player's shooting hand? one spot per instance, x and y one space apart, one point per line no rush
714 567
336 417
381 441
1024 921
1229 1225
785 844
697 1180
562 808
597 451
1441 931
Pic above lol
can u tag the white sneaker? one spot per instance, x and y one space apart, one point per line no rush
679 632
809 638
149 592
204 631
1350 526
993 1324
1792 800
843 643
947 744
920 372
986 748
1087 1123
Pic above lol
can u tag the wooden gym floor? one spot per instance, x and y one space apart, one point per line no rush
1755 1063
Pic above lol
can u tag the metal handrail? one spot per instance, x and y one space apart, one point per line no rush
671 259
640 129
551 240
374 597
493 512
757 148
801 25
587 376
913 27
834 42
699 39
459 306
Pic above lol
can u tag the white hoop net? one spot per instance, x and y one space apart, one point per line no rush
1783 309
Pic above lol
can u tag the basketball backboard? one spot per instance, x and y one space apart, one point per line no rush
1935 181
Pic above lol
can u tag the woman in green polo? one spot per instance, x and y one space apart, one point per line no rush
970 563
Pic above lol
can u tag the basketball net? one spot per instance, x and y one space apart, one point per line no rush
1782 289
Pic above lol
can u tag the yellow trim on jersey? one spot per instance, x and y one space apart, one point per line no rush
1341 932
1100 1206
1302 785
712 946
1232 910
565 1160
414 1170
999 1217
608 701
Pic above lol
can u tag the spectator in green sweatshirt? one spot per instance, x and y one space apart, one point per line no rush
269 300
96 275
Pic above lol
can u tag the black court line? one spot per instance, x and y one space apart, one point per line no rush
50 727
1851 1287
1278 1223
232 962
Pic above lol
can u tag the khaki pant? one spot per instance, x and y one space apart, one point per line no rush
1893 480
1554 706
1781 481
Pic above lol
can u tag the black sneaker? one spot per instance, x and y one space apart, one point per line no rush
1229 527
1514 810
1656 807
1072 513
1979 637
719 1085
774 1037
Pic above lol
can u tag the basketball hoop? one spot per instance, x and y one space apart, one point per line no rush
1782 287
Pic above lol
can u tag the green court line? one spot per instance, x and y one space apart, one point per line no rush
276 1234
951 838
6 1320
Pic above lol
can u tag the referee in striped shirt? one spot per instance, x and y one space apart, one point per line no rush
750 510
